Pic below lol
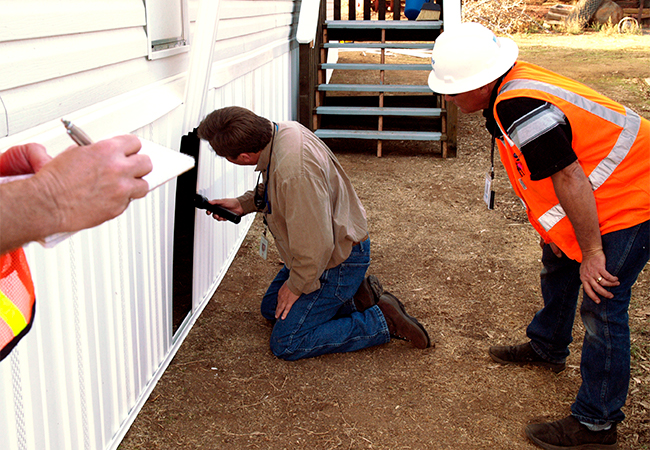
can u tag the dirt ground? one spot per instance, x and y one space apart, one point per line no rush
470 275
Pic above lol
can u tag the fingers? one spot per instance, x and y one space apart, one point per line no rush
596 286
140 188
590 293
125 148
286 299
556 250
215 216
142 165
281 312
231 204
594 276
23 159
128 144
37 156
121 157
90 184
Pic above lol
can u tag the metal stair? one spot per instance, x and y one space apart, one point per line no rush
381 111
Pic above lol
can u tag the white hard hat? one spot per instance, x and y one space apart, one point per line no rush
468 57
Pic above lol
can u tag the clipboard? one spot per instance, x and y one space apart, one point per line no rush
167 163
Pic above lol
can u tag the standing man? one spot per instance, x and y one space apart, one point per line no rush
320 229
581 164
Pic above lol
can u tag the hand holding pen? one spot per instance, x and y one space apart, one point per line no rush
101 178
80 188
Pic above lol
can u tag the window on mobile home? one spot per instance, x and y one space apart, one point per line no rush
167 27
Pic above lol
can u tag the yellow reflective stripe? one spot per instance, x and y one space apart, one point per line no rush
11 315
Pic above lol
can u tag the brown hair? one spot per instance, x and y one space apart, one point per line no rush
233 130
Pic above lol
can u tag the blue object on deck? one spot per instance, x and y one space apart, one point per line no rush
412 8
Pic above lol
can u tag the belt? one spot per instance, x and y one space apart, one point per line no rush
362 240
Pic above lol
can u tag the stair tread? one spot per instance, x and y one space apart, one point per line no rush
376 110
384 135
385 24
376 88
348 66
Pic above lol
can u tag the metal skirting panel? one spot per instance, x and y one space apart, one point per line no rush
216 243
267 91
101 329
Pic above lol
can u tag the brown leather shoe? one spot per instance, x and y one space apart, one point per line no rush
368 293
522 355
400 324
570 434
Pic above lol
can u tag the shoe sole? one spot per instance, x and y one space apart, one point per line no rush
547 365
547 446
412 319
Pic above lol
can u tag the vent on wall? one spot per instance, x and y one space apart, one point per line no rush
167 27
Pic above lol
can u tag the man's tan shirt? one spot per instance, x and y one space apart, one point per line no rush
315 215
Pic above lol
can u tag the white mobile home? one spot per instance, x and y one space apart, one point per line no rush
114 303
107 319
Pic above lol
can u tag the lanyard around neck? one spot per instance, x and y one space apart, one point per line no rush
264 201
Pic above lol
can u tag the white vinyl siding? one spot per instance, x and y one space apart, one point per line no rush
70 54
246 26
36 60
29 19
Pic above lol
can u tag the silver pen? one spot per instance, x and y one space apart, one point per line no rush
76 133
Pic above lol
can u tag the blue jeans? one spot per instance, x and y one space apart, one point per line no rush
605 363
326 321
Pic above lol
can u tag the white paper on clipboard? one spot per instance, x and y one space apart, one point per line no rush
167 163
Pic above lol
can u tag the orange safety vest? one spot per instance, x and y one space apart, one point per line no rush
612 144
17 300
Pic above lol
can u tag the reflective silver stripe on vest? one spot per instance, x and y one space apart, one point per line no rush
630 122
620 150
536 123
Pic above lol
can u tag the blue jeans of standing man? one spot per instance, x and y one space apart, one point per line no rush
326 321
605 363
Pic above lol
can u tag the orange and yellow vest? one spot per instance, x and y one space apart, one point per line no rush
612 144
17 300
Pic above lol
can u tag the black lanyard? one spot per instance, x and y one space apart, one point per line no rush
492 159
263 201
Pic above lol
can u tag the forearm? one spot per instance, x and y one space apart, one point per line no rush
574 192
25 214
576 196
247 200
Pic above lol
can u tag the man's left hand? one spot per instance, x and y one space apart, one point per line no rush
286 299
595 277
